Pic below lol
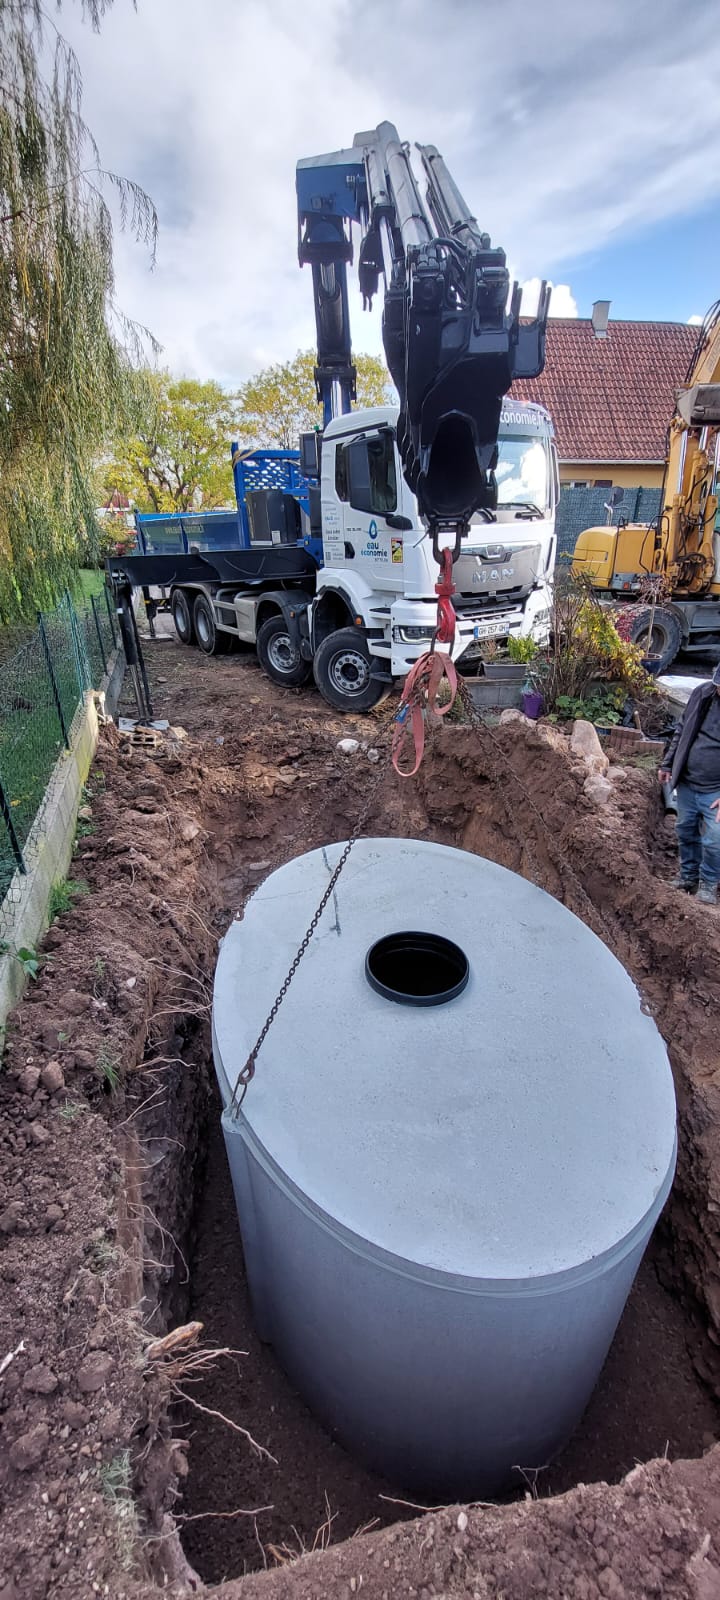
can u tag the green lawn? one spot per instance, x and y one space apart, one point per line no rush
92 581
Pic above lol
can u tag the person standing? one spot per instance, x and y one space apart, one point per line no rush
692 764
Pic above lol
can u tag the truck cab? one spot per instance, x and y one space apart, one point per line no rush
378 560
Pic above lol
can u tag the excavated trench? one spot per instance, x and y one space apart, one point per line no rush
656 1397
183 837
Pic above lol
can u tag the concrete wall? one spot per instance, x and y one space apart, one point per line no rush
49 848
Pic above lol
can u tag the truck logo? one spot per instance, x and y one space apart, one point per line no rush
373 530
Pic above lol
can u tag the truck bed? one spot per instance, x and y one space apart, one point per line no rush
262 565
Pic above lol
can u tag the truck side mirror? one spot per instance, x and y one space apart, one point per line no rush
360 493
310 454
394 519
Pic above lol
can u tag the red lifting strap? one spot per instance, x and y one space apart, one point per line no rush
444 589
422 687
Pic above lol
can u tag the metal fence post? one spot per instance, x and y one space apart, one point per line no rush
103 656
111 616
84 675
10 825
53 679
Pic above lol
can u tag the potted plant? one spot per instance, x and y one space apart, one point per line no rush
512 668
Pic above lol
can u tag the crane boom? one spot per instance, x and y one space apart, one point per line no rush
452 332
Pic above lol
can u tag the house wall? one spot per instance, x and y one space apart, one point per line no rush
622 474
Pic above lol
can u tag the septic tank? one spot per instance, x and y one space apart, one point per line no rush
447 1167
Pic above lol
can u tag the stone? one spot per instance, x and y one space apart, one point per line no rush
597 789
584 742
94 1371
373 755
189 830
54 1214
40 1380
74 1415
52 1077
85 813
38 1133
11 1217
111 1425
28 1080
511 714
348 747
29 1449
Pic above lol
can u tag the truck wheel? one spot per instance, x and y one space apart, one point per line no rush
665 636
210 641
279 656
342 667
182 617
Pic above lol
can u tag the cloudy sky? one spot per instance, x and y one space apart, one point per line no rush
586 138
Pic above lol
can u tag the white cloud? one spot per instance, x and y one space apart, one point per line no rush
560 126
562 299
695 321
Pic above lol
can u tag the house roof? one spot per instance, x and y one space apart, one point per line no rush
611 399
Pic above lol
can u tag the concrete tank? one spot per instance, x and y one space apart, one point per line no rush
444 1201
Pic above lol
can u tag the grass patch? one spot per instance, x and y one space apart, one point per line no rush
64 894
91 581
116 1485
108 1067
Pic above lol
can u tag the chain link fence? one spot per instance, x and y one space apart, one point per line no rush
42 685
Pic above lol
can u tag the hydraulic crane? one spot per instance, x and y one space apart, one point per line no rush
453 336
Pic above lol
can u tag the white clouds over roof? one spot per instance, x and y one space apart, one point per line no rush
562 125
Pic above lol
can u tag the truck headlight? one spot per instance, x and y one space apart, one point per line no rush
411 635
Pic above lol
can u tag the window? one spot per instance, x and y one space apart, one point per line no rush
383 482
522 472
603 483
341 472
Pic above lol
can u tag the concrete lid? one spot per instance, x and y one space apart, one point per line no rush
520 1130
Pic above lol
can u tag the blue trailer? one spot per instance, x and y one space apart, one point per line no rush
275 504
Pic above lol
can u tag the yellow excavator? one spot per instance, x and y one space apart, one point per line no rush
669 571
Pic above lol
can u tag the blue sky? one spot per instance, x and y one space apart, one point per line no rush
670 272
585 136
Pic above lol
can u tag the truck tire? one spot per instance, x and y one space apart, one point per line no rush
209 640
279 656
181 607
342 668
666 637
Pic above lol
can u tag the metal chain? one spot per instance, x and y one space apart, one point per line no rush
247 1072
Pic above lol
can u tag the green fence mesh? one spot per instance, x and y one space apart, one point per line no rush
41 688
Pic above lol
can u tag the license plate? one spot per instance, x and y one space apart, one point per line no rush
490 630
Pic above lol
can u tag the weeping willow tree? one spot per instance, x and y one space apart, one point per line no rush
68 379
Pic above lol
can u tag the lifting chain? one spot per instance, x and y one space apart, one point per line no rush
247 1072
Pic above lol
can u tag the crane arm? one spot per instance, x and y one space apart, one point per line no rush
453 337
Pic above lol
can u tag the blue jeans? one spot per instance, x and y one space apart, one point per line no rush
698 835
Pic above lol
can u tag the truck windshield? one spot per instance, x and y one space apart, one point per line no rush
522 472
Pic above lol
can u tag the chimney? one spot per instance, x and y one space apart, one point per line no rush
599 319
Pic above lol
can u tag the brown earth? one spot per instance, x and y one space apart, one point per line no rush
103 1105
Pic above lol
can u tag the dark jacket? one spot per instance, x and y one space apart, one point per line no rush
687 729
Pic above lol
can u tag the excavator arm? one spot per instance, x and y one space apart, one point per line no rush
453 337
686 528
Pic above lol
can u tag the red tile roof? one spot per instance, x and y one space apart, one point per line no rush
611 399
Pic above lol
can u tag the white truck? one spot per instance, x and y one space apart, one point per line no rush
374 610
351 600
